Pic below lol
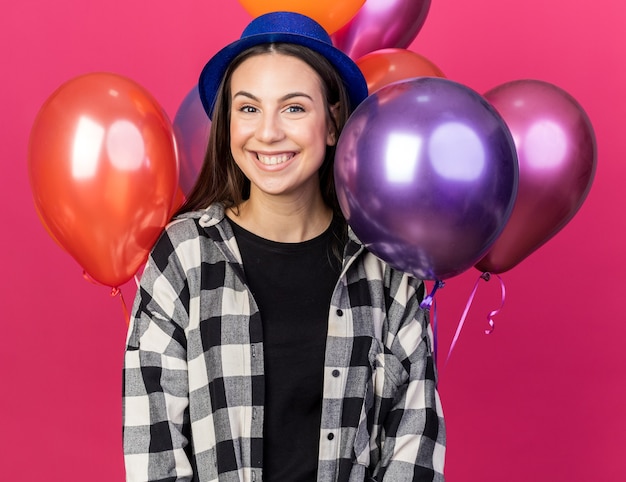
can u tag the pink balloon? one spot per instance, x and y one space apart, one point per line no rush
191 129
556 150
382 24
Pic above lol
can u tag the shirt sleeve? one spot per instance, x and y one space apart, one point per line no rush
413 447
155 391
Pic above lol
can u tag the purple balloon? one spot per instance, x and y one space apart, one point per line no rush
382 24
426 175
556 147
191 130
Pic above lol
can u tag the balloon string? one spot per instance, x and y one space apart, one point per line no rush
485 276
114 292
493 313
428 301
435 330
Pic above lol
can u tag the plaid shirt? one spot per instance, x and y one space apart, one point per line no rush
193 374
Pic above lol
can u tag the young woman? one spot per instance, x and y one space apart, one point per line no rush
267 343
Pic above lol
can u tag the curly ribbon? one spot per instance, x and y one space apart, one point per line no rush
495 312
426 304
114 292
485 276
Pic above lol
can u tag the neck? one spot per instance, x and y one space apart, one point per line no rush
283 220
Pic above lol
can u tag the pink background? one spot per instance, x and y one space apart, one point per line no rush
543 398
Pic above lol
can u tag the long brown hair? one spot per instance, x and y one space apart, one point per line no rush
220 179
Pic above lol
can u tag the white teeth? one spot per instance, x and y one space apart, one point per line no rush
272 160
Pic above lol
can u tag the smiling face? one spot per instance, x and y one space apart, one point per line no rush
279 125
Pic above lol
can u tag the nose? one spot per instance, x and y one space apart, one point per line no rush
269 128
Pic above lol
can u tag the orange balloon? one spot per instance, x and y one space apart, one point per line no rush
103 171
45 225
385 66
179 200
330 14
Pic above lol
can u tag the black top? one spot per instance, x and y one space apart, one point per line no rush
292 284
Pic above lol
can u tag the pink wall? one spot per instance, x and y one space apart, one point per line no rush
542 398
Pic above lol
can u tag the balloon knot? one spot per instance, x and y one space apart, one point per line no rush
428 301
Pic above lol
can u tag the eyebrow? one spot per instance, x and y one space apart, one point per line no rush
285 97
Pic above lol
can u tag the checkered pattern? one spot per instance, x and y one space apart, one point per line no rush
193 375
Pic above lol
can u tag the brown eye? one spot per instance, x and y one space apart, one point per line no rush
248 109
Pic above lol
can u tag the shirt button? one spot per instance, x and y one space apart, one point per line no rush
335 373
330 436
339 312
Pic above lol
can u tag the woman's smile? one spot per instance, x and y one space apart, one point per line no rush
274 159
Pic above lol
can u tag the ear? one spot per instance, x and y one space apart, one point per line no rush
331 138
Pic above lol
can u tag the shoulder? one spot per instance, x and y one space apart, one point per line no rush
373 267
191 225
185 229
